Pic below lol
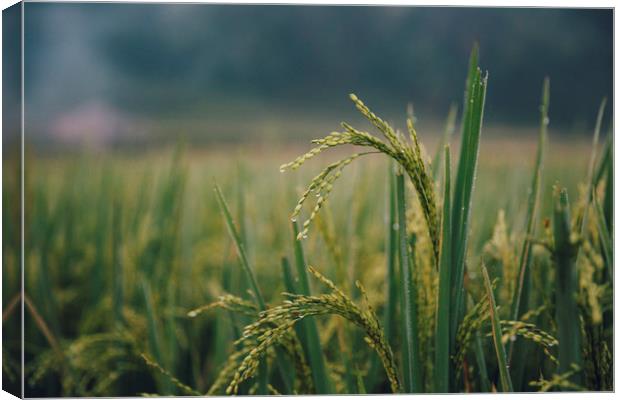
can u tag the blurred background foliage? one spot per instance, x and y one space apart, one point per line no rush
142 72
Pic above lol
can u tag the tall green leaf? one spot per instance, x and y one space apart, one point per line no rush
154 335
461 206
590 179
496 330
519 304
566 310
232 230
605 169
521 295
605 238
243 258
483 375
411 355
442 332
312 343
391 250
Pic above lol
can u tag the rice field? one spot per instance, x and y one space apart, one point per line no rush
371 261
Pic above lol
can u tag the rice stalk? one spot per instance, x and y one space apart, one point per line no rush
310 338
391 249
410 353
442 335
591 165
522 289
605 238
566 310
473 109
483 375
520 300
502 365
243 258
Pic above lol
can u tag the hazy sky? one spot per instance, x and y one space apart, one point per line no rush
115 66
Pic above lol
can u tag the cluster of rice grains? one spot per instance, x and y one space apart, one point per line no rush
407 155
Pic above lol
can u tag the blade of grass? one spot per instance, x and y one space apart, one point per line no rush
170 348
118 280
223 332
461 207
153 332
519 305
43 327
601 169
242 285
521 295
51 339
292 287
243 258
504 376
608 201
606 242
391 256
392 250
566 310
566 255
100 265
411 359
312 344
483 375
590 178
241 203
227 284
263 368
605 169
12 306
47 226
350 380
442 332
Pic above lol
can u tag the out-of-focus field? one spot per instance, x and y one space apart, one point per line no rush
119 247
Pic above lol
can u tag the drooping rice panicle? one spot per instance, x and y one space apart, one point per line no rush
407 154
275 322
228 302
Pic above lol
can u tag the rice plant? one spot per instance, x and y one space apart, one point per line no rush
388 271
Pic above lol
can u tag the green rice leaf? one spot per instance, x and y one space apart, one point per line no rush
502 365
312 343
442 332
411 357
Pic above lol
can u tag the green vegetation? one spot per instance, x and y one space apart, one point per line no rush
476 279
